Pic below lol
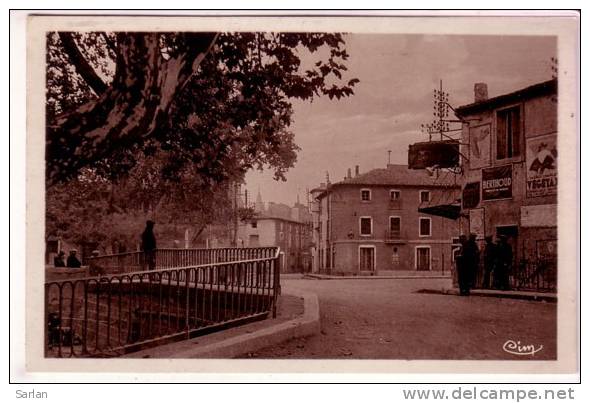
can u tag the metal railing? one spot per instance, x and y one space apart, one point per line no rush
529 275
538 275
113 314
168 258
392 235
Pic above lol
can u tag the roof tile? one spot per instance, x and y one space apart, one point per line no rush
400 175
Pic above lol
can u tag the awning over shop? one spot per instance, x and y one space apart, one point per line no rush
451 211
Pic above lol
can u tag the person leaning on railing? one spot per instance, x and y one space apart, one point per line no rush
148 245
94 269
73 261
58 261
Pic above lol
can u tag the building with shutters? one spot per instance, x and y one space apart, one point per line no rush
369 224
509 183
277 224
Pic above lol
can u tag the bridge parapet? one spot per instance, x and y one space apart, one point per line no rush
169 258
111 314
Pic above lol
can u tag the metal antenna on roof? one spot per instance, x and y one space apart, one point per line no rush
440 122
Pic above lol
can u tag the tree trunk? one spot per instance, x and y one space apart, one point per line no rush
133 108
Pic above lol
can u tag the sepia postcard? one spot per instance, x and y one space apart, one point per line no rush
286 194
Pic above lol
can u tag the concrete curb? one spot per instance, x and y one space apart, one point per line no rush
525 295
325 277
307 324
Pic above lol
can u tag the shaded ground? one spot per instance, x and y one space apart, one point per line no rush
388 319
289 307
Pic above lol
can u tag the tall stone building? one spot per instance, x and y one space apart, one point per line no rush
369 224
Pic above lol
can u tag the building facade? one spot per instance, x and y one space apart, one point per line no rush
370 225
509 185
280 225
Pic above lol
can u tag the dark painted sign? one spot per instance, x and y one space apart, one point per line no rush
440 154
471 195
496 183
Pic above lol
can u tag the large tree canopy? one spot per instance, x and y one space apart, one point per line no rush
215 104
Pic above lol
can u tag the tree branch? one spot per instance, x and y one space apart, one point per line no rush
82 66
131 109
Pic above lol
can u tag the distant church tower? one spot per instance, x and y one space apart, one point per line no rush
259 205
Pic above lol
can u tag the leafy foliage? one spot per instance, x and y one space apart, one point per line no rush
236 111
166 134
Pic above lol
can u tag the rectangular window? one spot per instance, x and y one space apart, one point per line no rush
366 224
254 224
254 241
425 226
508 133
395 224
424 196
394 195
365 194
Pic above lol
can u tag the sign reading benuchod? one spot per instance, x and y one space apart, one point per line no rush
496 183
541 163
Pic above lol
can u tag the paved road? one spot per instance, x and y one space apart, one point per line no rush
389 319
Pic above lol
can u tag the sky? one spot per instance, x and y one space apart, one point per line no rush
397 74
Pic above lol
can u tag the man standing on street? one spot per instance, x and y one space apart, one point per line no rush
148 245
470 262
504 263
489 262
461 270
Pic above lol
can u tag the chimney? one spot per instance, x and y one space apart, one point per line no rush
348 174
480 92
356 170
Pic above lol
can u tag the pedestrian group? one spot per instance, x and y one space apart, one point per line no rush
497 263
72 261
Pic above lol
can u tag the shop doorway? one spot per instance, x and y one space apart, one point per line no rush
367 258
423 258
395 258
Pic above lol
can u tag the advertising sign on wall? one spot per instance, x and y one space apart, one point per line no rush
479 146
477 222
496 183
541 164
471 195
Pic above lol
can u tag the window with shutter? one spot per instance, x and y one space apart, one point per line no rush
508 136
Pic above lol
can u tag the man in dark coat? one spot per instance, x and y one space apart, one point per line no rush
58 261
489 261
73 261
504 263
461 272
470 263
148 244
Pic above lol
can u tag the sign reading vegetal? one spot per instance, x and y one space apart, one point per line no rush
541 162
496 183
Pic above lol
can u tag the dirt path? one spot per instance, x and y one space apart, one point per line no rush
388 319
